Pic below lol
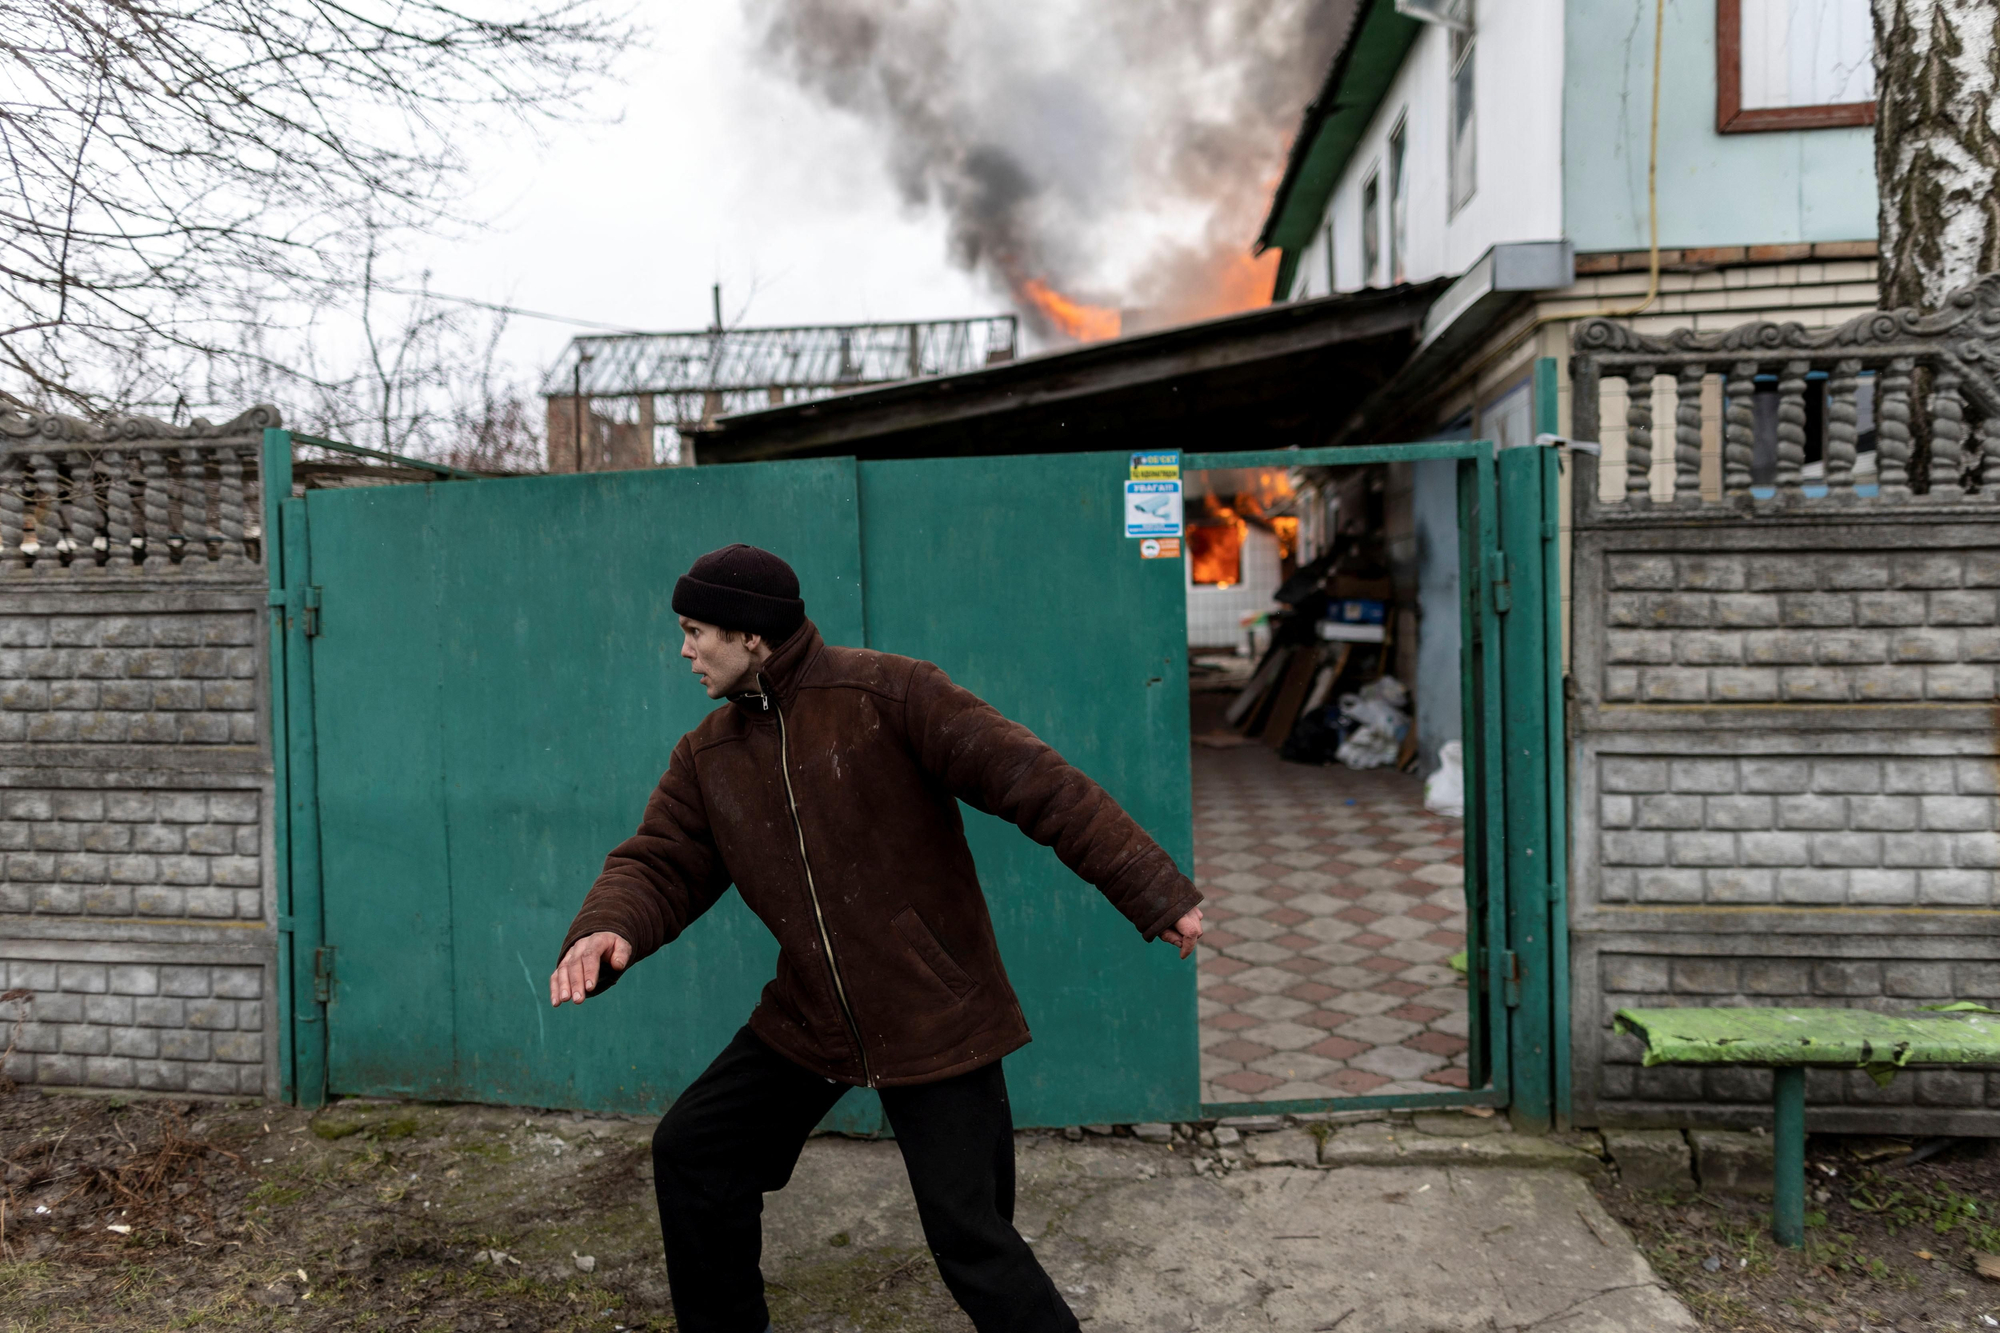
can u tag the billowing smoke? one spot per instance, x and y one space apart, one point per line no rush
1120 152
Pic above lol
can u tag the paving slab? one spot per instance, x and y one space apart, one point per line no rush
1146 1238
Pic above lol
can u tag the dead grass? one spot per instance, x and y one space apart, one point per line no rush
1887 1248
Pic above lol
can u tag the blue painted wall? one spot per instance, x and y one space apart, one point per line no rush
1715 189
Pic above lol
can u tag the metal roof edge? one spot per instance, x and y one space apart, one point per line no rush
1469 309
1333 121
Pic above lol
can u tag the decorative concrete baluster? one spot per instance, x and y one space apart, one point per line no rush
1791 428
1842 418
158 501
1687 433
229 504
48 513
85 519
195 526
1639 435
1739 428
1892 428
1983 470
117 512
1947 471
13 513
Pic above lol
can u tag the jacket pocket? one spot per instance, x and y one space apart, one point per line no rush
918 936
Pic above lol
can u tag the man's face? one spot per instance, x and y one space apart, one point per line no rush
725 662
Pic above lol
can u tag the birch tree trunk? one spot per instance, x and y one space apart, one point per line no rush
1937 146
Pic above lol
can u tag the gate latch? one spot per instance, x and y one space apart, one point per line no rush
309 609
323 974
1510 979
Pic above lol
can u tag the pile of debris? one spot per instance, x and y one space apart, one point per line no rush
1322 693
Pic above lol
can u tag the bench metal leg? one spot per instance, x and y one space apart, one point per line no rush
1788 1145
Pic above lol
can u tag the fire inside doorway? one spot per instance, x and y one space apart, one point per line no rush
1323 627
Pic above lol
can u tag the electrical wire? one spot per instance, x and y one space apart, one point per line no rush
508 309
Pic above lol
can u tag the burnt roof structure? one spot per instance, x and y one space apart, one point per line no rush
1269 378
702 374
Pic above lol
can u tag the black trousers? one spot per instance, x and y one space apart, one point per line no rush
735 1136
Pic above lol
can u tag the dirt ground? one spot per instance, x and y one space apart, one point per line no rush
157 1214
168 1214
1890 1244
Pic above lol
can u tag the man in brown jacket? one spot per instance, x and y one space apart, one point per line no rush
827 791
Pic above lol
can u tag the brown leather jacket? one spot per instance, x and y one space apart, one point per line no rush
831 800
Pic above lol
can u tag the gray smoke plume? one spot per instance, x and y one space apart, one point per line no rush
1121 151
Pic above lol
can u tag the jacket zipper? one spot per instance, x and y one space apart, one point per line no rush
825 940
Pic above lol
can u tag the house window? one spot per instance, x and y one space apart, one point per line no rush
1793 64
1464 137
1399 204
1371 229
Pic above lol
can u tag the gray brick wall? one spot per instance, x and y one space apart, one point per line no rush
1875 626
174 678
168 854
1846 831
1787 793
135 902
150 1026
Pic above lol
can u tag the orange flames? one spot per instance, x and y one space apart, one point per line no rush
1215 539
1241 282
1085 323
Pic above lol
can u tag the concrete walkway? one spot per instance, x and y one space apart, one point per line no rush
1458 1228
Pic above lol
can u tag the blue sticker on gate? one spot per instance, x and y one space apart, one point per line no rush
1152 509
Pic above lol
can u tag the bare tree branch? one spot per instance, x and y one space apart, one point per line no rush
177 168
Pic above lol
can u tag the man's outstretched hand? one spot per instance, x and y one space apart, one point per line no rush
577 973
1185 932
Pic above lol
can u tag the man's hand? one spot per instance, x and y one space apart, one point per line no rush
577 973
1185 933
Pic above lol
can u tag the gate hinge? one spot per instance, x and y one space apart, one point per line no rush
323 974
1510 979
1496 575
305 601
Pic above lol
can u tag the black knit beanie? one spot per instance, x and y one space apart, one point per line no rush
742 588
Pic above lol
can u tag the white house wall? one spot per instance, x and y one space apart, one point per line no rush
1517 106
1766 188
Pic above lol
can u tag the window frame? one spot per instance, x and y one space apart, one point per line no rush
1730 115
1461 54
1396 216
1371 226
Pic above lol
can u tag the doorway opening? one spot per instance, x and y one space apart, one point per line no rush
1324 626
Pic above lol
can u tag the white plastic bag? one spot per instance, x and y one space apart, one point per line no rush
1368 747
1444 790
1389 690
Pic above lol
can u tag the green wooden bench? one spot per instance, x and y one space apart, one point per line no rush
1790 1041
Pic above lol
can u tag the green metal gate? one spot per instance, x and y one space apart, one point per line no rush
475 685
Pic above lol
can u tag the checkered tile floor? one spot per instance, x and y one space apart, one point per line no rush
1334 899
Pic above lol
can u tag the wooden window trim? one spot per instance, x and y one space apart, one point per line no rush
1731 118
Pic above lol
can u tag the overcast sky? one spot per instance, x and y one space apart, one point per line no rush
716 172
